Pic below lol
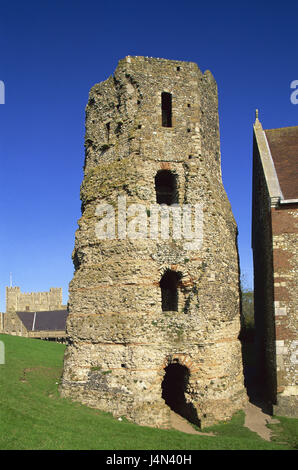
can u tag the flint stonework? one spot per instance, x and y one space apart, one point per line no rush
152 132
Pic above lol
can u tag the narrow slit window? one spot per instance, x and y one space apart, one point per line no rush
108 128
166 187
166 107
169 291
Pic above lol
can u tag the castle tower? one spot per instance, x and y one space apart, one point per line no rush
154 314
33 301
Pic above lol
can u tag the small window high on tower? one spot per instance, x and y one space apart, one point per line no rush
166 108
166 187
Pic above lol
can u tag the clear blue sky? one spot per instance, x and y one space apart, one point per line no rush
52 52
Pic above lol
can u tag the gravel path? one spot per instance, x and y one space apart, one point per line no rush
255 420
181 424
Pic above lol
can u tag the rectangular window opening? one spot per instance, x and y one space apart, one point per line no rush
108 128
166 107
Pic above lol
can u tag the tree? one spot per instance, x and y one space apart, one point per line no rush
247 309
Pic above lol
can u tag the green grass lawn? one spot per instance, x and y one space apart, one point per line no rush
34 416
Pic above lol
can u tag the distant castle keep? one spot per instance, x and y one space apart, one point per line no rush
34 314
154 321
33 301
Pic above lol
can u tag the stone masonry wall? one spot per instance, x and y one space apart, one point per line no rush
263 281
274 235
285 260
122 342
12 325
17 301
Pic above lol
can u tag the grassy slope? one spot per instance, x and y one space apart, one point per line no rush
34 416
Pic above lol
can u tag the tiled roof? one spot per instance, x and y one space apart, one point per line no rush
283 145
53 320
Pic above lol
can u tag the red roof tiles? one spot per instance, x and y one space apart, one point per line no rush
283 145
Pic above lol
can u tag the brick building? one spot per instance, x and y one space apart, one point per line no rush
275 253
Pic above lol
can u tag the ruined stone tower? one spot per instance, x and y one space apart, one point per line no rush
154 319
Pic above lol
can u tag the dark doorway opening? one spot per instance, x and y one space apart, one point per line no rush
174 386
166 108
169 291
166 188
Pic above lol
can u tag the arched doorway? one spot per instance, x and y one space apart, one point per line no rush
174 386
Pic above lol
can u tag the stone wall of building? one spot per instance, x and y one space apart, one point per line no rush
1 322
263 281
17 301
126 347
285 262
274 241
12 325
